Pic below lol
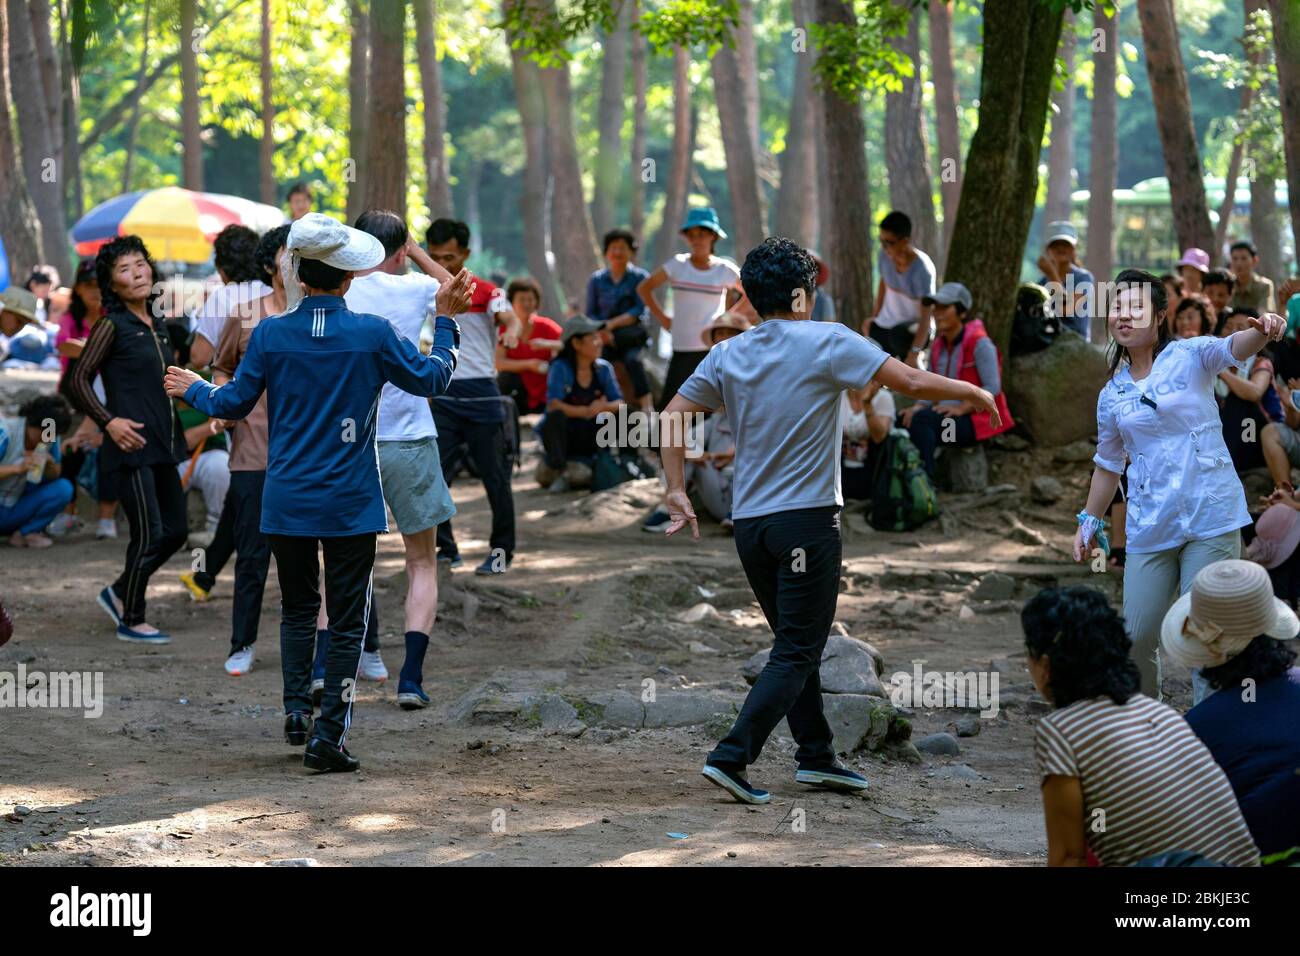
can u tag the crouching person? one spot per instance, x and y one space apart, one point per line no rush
31 492
580 385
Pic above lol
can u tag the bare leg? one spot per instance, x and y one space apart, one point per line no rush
421 580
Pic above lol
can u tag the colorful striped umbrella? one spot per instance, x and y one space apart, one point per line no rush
176 224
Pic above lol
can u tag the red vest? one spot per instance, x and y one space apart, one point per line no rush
972 332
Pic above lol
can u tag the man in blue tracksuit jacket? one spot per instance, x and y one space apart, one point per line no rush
323 368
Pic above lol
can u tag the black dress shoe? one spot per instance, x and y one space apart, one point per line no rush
323 757
297 728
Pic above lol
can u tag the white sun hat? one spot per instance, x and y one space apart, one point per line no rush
325 239
1230 604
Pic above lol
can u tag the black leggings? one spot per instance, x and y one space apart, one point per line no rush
154 503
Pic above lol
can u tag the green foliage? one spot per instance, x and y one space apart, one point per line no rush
545 30
856 58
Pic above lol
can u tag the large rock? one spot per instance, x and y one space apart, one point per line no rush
962 470
1052 394
848 666
860 722
688 708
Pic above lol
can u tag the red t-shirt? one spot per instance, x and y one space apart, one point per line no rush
535 382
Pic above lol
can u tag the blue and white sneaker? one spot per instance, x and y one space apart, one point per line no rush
736 785
131 636
657 522
411 696
833 777
111 605
453 561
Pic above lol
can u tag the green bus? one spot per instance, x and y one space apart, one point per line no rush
1144 223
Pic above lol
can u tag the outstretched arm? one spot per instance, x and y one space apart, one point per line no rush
672 451
233 400
1267 328
899 377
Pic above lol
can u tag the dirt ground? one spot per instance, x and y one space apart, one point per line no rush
188 766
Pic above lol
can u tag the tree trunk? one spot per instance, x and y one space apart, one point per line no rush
1174 120
532 121
267 146
906 155
747 64
71 119
1286 43
1237 158
20 229
40 159
679 177
473 207
1060 155
1103 164
191 130
796 203
48 61
850 237
133 124
1266 228
386 99
945 109
609 120
730 88
571 233
437 181
640 83
358 113
1020 41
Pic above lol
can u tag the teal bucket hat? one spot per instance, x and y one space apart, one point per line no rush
704 218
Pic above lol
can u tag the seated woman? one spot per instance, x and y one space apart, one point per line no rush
711 474
868 415
580 385
1193 317
522 368
31 492
962 350
1275 547
206 471
1232 627
1247 400
1121 774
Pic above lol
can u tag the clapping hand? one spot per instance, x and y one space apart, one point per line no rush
1272 325
453 297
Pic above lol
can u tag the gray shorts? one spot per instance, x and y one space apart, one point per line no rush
1289 439
416 492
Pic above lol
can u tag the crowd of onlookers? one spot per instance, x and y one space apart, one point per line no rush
1106 747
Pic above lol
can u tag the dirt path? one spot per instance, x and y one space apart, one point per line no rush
188 766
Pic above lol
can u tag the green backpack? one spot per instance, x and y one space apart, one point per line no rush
902 494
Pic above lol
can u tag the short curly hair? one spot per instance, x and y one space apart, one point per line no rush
107 257
1084 638
47 408
1262 659
235 253
271 243
773 274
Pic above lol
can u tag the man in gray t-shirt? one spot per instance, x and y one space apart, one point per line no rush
781 383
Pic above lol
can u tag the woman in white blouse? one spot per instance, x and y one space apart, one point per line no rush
1186 505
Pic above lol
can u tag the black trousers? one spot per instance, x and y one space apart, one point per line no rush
154 503
896 341
631 359
349 574
681 366
564 437
927 431
792 561
223 545
242 509
484 444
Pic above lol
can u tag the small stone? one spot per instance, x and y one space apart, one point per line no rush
1010 442
699 647
1076 451
965 613
995 586
22 811
731 854
968 726
939 744
957 771
294 861
699 613
1046 490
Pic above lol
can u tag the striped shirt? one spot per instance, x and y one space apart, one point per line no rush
699 296
1149 785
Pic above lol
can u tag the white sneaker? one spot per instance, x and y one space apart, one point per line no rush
63 524
240 662
372 667
106 528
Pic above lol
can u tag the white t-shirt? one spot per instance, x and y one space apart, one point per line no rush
405 301
221 301
478 339
699 296
903 290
